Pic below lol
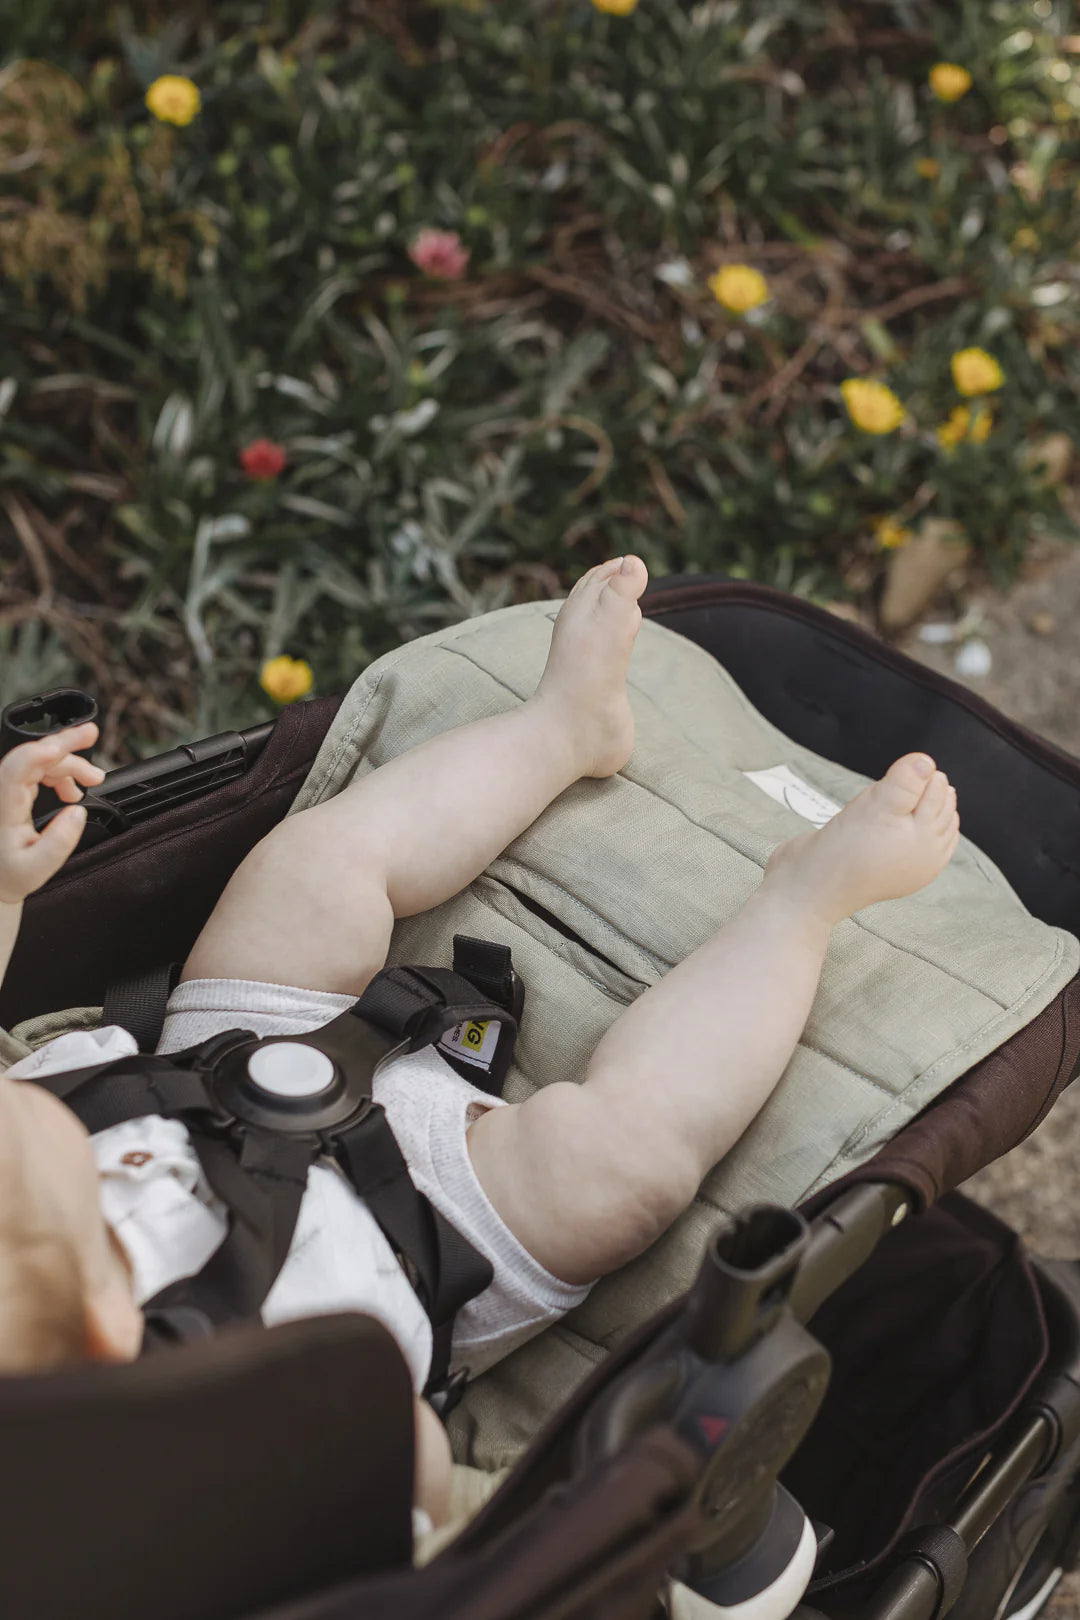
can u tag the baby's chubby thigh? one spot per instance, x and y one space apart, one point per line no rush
304 908
584 1186
433 1113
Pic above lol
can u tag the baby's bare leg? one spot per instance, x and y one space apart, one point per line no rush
588 1176
314 903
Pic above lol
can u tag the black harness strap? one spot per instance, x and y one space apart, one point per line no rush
262 1189
426 1003
449 1271
137 1002
129 1088
119 1097
258 1165
491 968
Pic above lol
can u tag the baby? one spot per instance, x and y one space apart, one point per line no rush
555 1191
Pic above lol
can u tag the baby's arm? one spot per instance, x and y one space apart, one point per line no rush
29 858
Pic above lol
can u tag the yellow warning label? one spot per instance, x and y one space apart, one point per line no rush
474 1040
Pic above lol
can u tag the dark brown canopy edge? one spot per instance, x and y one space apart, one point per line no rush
141 898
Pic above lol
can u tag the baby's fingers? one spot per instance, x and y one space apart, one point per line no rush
28 859
41 859
67 772
26 766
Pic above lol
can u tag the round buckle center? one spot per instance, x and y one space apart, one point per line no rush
290 1069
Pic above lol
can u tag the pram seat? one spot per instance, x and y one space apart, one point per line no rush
892 707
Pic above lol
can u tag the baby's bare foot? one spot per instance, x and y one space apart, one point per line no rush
892 839
585 675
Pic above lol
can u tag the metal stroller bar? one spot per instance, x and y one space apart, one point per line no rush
928 1580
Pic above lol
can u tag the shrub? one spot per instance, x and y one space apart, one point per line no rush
671 240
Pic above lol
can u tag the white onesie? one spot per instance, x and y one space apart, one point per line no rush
155 1197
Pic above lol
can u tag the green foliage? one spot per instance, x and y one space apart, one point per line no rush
173 293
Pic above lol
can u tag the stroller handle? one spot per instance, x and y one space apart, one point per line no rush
131 793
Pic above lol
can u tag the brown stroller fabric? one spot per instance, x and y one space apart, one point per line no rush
140 899
941 1334
207 1484
598 1549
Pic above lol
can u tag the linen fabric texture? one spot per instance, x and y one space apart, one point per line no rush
621 878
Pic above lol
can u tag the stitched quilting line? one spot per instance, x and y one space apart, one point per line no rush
658 964
459 652
732 689
552 950
919 956
729 843
376 681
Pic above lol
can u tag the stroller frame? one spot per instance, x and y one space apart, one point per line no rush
1016 1518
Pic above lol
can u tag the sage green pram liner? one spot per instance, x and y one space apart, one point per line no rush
641 868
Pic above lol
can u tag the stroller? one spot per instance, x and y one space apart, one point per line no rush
888 1355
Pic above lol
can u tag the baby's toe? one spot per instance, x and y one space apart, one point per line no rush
581 585
948 812
629 579
905 782
934 802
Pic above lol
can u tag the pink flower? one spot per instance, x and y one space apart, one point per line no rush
263 459
440 253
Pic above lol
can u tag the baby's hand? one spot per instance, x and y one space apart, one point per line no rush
29 858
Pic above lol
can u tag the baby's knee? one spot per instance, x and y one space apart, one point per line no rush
642 1176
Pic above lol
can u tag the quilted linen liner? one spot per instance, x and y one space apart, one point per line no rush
641 868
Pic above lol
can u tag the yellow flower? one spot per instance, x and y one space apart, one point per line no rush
961 426
951 432
980 427
616 8
285 679
871 405
173 99
1025 238
891 535
929 168
739 287
948 81
976 372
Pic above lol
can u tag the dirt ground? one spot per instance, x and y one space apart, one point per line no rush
1033 637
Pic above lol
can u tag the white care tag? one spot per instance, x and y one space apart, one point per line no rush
781 784
474 1041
